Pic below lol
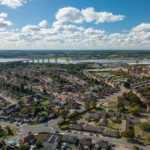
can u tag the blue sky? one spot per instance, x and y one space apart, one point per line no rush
74 24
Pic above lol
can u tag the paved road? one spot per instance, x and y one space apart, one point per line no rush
107 98
52 127
23 129
8 99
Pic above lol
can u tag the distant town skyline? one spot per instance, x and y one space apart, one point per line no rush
75 24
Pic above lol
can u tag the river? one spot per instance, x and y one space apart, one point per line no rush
133 61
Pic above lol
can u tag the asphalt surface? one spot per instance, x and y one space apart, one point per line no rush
23 130
51 127
107 98
8 99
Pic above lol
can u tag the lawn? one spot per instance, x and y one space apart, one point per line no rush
13 132
47 102
34 123
116 126
64 127
115 98
137 130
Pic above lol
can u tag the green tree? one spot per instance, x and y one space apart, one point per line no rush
9 131
126 84
134 110
38 144
93 104
64 114
121 107
145 126
133 98
87 104
136 148
24 147
128 134
148 138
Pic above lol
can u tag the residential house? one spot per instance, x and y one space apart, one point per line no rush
103 122
85 143
111 133
125 125
78 127
143 135
112 103
92 129
69 139
122 99
101 145
28 139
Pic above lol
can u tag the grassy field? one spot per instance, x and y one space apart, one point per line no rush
47 102
115 98
116 126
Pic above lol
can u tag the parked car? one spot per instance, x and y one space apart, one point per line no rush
29 132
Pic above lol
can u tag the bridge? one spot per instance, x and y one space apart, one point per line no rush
52 59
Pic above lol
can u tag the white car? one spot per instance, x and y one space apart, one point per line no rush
13 143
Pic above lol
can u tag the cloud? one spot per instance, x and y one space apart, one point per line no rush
4 23
73 37
3 15
69 14
142 27
74 15
100 17
69 33
13 3
30 28
43 23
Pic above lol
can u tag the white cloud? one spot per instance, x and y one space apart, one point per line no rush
73 37
65 34
3 15
74 15
13 3
69 14
43 23
4 23
30 28
100 17
142 27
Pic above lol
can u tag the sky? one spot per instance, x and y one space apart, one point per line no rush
75 24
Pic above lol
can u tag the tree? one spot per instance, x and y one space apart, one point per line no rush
128 134
93 103
9 131
135 148
126 85
38 144
145 126
121 107
64 114
148 138
133 98
134 110
87 104
24 147
44 91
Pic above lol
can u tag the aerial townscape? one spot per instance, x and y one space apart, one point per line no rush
74 75
76 105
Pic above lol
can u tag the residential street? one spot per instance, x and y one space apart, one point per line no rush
107 98
8 99
52 128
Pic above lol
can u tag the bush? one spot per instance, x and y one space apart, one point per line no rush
24 147
135 148
134 110
38 144
126 84
145 126
128 134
